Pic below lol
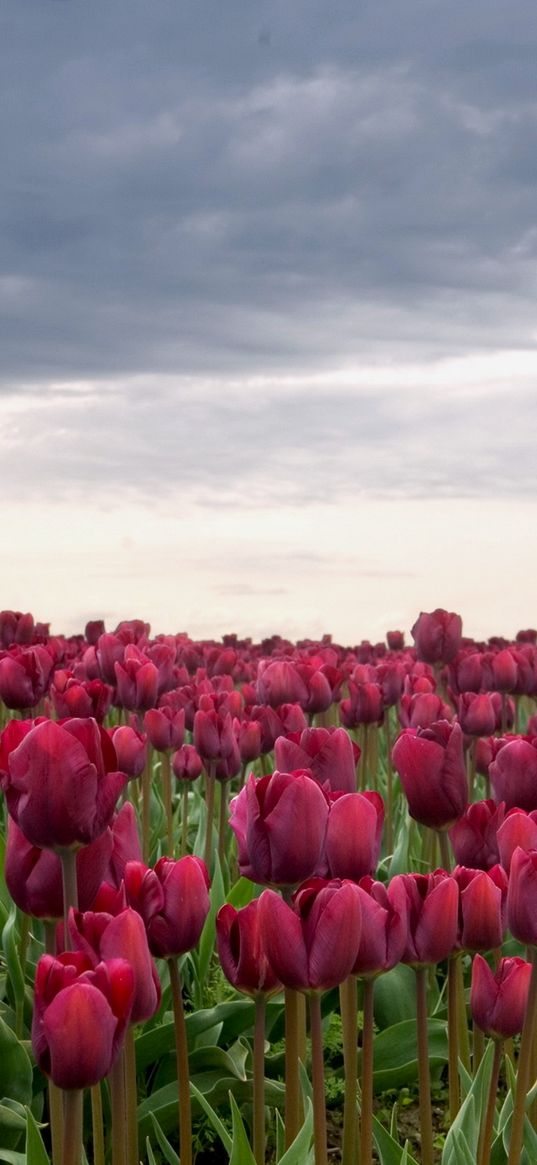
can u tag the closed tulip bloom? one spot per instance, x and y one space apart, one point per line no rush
63 783
277 722
131 749
383 935
24 676
80 1016
422 710
187 764
437 635
504 671
248 734
513 775
165 728
519 829
93 630
176 927
279 682
433 909
477 713
137 680
312 946
241 950
522 897
15 628
213 735
474 839
395 640
482 898
280 824
34 876
81 698
354 834
329 753
110 649
102 936
498 999
364 706
430 764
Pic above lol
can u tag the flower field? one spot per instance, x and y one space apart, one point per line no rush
267 902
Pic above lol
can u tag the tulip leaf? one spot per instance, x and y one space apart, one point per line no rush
242 893
460 1152
168 1151
203 956
390 1151
11 955
280 1135
36 1154
396 1056
213 1086
12 1157
241 1152
465 1127
15 1067
217 1124
300 1151
395 996
150 1154
235 1017
399 863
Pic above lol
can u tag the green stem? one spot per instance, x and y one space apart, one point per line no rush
259 1079
478 1041
146 805
222 821
424 1081
317 1075
72 1114
453 1039
184 820
364 759
70 888
166 778
183 1075
97 1124
485 1135
292 1069
210 782
445 853
471 768
348 1004
119 1110
524 1067
389 785
366 1127
462 1017
131 1099
55 1110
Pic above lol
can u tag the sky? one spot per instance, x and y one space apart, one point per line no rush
268 325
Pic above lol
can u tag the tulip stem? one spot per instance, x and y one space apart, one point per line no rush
55 1109
348 1003
478 1041
97 1124
485 1135
366 1126
222 822
72 1114
453 1039
389 784
119 1111
146 805
184 821
131 1098
364 760
317 1076
210 781
462 1018
424 1081
166 778
292 1066
445 855
259 1079
70 888
183 1074
524 1067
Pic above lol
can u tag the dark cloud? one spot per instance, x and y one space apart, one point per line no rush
207 189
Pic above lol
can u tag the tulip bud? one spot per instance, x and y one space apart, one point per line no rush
498 1000
280 823
437 636
312 945
433 905
430 763
241 951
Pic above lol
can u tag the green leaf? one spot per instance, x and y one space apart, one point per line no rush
234 1017
12 1157
465 1128
241 1152
400 863
389 1150
150 1154
280 1135
242 893
460 1152
36 1154
11 955
208 934
300 1151
396 1055
15 1067
395 996
217 1124
167 1149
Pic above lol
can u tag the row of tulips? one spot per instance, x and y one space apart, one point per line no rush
214 710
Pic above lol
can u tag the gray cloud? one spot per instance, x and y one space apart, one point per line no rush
288 186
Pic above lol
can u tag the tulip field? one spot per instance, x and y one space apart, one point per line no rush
267 902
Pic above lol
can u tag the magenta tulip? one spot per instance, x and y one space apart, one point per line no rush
513 775
522 897
437 635
498 999
354 834
430 763
329 753
383 936
482 899
241 950
312 945
433 907
474 836
280 823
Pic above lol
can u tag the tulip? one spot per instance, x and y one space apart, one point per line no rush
353 834
248 734
504 671
165 728
80 1016
136 680
518 829
477 713
312 945
34 876
473 837
176 927
513 775
63 783
395 640
423 709
384 927
280 823
482 897
131 749
93 630
277 722
72 697
433 905
329 753
522 897
279 682
241 950
498 999
430 763
364 706
15 628
102 936
187 763
24 676
437 635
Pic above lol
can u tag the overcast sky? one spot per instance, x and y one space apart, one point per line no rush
268 313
